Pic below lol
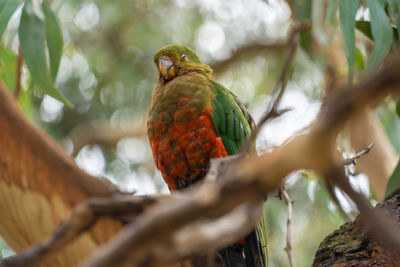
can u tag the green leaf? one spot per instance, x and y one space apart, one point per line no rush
32 42
398 108
348 10
303 11
394 181
365 28
331 11
8 62
359 59
54 39
381 31
7 8
395 11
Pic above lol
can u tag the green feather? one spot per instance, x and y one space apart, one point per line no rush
230 118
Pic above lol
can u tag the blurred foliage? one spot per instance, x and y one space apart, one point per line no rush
4 250
394 182
98 54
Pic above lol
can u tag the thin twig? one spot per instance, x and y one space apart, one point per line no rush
288 247
272 110
18 74
353 160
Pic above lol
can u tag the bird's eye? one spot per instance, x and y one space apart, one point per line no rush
184 57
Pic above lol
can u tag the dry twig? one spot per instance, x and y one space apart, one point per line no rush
272 110
353 160
289 204
18 74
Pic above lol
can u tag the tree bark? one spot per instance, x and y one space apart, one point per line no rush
351 246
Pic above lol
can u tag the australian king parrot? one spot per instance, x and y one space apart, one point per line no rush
193 119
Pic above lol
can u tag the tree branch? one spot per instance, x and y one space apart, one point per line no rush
245 52
104 133
288 247
18 74
272 111
353 160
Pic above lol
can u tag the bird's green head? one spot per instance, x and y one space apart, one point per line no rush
176 60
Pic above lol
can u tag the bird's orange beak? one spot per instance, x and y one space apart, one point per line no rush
167 68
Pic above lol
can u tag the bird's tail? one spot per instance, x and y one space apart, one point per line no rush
249 253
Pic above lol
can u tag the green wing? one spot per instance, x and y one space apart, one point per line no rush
234 124
231 120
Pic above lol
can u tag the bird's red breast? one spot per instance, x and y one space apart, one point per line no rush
182 136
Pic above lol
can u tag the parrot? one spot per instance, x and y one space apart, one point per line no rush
193 119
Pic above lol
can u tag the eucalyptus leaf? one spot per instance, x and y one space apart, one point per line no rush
32 36
303 11
8 62
394 181
359 59
398 108
348 10
381 32
365 28
395 11
7 8
54 39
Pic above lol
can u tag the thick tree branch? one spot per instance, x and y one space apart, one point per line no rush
104 133
244 52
